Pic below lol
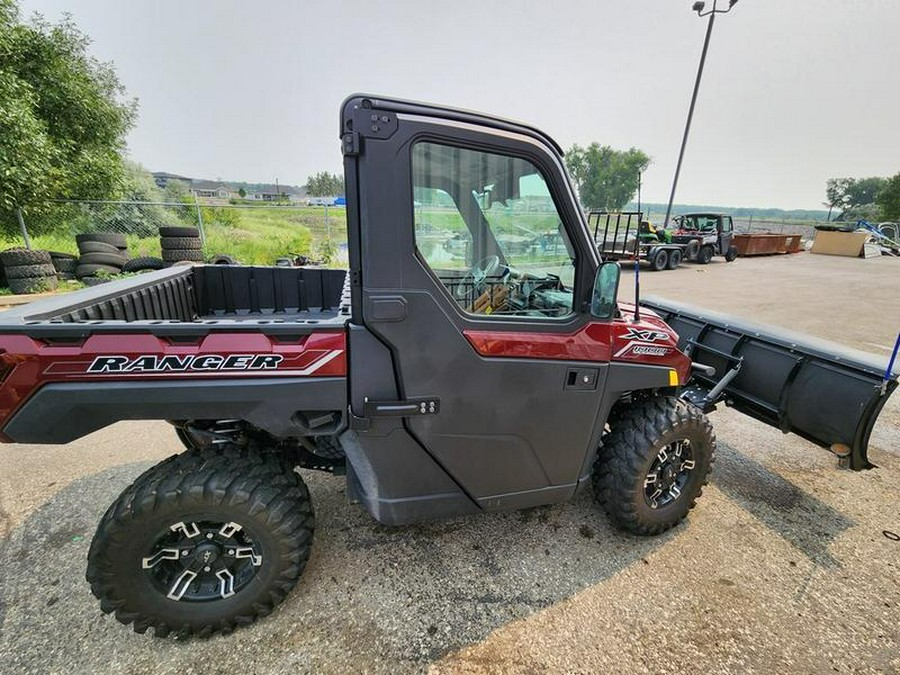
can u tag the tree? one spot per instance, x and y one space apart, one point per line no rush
606 178
242 192
63 119
835 191
854 197
888 199
324 184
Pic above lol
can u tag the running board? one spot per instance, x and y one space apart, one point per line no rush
829 394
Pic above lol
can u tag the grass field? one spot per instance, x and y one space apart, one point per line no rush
252 235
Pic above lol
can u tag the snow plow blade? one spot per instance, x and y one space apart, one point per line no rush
829 394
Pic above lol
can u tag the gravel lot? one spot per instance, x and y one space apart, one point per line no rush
783 565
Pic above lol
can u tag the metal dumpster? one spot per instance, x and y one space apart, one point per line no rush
766 244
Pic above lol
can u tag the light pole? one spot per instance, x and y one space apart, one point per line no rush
711 13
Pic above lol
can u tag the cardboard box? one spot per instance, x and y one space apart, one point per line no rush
839 243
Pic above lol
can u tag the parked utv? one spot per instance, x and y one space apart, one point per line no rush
704 236
446 373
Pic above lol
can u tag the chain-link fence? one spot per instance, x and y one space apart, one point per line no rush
251 234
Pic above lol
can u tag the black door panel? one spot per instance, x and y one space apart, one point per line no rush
509 431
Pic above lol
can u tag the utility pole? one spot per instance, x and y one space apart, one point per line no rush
698 7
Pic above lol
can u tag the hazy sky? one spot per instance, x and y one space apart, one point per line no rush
794 91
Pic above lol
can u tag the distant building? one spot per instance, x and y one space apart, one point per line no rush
274 193
212 189
217 190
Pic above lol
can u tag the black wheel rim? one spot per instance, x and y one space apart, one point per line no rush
669 474
202 561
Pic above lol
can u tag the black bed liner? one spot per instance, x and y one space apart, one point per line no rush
192 299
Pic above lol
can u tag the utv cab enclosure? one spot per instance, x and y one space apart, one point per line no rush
705 235
474 358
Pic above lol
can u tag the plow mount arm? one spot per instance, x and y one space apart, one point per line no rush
829 394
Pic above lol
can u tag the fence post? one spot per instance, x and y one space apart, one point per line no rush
23 228
200 222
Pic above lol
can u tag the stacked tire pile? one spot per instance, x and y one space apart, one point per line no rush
28 271
102 254
180 244
65 264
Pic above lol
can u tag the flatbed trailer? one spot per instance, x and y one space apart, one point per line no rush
617 236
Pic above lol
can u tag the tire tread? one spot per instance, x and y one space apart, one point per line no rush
635 434
256 480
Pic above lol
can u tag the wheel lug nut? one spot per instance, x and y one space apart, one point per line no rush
230 552
183 554
206 569
209 535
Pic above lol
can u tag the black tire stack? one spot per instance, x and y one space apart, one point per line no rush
65 264
28 271
105 252
180 243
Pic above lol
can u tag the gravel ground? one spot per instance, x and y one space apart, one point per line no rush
783 565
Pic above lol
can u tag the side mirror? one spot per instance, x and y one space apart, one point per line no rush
606 289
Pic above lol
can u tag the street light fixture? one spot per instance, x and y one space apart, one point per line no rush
698 7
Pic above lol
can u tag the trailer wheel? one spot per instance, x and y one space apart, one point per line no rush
731 254
203 543
674 258
660 261
653 464
705 254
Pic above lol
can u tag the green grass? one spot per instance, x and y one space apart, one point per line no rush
256 236
261 235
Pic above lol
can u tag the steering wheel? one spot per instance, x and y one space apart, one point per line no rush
478 273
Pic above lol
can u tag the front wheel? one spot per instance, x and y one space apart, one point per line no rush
202 543
653 464
660 261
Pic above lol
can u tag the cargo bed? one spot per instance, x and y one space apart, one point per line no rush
187 298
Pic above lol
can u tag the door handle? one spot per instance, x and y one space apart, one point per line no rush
584 379
410 407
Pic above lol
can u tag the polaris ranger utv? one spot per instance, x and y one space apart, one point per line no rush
443 374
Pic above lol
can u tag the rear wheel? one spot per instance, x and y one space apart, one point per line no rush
731 254
705 254
674 259
653 464
660 261
202 543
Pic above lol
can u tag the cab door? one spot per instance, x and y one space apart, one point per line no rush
475 272
726 234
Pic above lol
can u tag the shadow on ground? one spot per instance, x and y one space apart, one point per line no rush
805 522
376 598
